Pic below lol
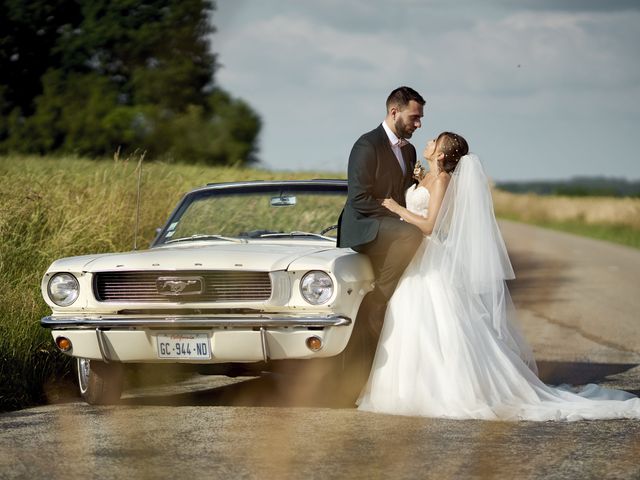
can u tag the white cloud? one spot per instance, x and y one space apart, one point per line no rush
319 74
311 55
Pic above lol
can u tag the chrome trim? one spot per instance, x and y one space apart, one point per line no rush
263 321
102 346
249 184
265 345
176 285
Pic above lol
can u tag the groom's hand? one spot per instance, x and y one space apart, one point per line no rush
391 204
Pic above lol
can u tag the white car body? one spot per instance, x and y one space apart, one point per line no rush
237 299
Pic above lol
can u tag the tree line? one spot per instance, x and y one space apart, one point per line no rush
92 77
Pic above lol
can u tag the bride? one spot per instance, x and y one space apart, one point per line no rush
449 347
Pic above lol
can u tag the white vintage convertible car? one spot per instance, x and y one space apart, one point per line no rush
244 272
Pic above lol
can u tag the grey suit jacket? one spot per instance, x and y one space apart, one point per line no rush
373 174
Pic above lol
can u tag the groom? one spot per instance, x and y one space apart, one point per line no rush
380 166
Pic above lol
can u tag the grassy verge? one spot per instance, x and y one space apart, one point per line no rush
52 208
612 219
621 234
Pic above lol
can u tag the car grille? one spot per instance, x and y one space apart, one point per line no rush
219 286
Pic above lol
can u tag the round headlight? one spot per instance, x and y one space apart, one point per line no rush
63 289
316 287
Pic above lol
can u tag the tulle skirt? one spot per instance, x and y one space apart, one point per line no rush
439 357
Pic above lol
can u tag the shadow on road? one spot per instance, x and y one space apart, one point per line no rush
285 390
267 390
578 373
536 281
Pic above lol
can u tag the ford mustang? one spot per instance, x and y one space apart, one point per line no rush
241 273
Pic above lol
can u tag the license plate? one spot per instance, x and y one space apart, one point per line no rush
190 346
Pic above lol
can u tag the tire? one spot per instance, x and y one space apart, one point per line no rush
100 383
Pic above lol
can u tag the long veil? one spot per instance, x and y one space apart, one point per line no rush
467 250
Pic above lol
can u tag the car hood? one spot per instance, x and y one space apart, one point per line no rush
251 256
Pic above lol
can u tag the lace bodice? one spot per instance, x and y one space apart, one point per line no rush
417 199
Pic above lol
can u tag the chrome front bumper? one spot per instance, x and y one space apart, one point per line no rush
232 338
228 321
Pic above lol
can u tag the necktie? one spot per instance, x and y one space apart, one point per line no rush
398 153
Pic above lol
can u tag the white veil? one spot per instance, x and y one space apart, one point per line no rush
467 250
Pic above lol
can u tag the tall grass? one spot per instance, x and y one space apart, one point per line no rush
606 218
52 208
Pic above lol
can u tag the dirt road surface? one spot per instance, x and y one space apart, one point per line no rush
578 302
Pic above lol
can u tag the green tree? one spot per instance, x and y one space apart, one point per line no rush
28 34
224 137
109 74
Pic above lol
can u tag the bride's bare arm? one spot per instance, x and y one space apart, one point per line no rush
437 190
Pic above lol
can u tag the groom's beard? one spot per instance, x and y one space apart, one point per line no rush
402 129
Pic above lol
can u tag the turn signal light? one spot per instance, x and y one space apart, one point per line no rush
314 343
63 343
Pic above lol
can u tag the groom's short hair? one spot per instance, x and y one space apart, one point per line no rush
401 97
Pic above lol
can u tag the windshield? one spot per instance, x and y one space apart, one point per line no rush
264 215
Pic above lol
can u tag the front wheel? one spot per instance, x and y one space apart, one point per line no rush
100 383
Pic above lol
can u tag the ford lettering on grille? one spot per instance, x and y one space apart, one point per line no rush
174 286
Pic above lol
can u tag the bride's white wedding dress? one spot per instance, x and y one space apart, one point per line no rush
448 348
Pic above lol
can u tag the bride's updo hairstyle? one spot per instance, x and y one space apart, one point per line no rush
454 147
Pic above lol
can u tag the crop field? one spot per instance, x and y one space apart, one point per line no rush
606 218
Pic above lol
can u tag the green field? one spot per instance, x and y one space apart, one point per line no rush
52 208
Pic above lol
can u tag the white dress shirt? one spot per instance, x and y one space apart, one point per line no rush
395 145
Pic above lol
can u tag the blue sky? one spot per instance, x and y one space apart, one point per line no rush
541 89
